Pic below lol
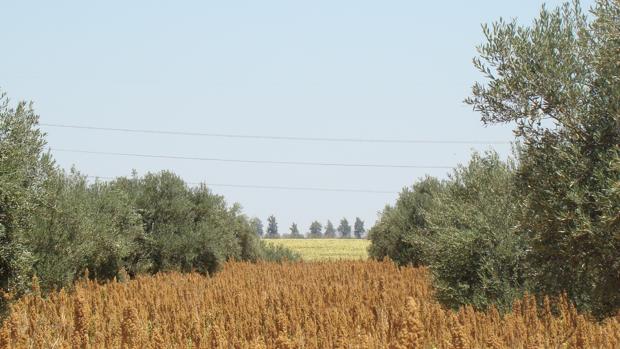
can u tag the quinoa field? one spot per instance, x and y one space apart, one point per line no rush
327 304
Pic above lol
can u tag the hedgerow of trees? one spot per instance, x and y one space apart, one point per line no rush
315 231
56 225
550 223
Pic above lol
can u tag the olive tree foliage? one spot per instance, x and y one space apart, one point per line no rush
474 253
136 225
24 170
463 228
81 227
57 225
401 232
185 228
558 81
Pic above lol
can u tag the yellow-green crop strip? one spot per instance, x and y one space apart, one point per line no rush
326 249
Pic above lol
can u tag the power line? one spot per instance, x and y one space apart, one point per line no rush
270 162
273 187
278 138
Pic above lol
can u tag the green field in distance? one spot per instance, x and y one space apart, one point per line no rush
326 249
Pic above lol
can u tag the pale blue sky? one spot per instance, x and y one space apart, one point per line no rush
362 69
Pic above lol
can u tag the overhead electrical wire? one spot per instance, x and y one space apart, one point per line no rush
248 161
269 162
274 187
272 137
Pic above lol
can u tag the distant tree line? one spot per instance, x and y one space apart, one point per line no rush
56 225
547 221
315 231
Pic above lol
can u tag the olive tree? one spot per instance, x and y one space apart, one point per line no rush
24 169
558 81
474 252
401 232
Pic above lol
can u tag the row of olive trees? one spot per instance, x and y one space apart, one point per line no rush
551 222
56 225
315 230
463 228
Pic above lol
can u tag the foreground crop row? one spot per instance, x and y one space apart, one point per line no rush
292 305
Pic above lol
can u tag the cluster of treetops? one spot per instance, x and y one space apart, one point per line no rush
315 230
547 220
